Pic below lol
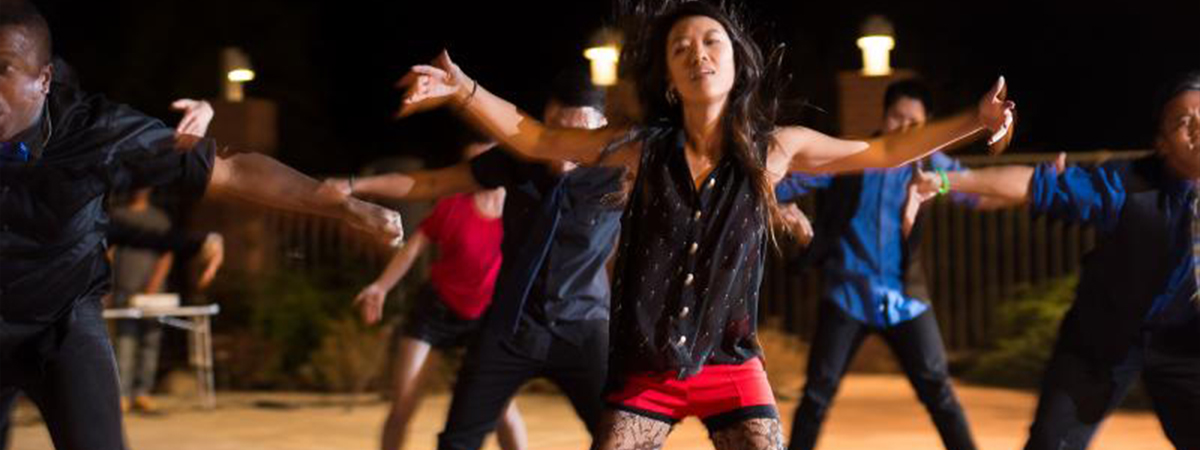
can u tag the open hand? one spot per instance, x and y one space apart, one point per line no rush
798 223
197 114
923 187
212 255
430 86
370 303
998 114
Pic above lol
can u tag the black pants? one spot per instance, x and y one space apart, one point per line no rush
494 369
917 343
69 372
1077 394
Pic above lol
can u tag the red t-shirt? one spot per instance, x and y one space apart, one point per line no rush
464 273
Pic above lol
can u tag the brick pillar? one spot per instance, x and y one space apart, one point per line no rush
860 100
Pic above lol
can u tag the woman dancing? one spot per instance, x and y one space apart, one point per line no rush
704 159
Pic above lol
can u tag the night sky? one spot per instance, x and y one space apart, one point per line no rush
1083 74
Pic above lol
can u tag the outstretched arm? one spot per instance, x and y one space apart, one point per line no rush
263 180
418 185
997 187
371 299
443 82
811 151
1007 184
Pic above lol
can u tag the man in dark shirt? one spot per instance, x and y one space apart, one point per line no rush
1135 310
61 152
549 314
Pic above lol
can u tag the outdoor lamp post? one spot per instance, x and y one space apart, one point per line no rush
877 42
603 54
238 71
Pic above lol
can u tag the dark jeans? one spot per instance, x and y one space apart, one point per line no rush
917 343
68 371
494 369
1077 394
138 343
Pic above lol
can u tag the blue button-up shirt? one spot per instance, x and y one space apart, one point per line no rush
1096 196
864 270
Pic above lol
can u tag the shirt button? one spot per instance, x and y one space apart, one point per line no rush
696 216
882 307
687 281
684 312
682 340
692 249
711 182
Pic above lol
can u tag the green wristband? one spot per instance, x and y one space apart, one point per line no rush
945 187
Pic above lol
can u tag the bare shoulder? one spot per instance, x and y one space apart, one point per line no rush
627 155
786 142
790 138
624 150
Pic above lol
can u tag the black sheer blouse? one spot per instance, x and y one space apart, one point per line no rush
685 292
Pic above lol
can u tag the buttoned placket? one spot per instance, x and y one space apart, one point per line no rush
691 250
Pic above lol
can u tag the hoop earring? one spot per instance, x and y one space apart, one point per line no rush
672 97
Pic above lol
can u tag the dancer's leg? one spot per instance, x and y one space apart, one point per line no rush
1076 396
490 376
918 346
837 339
412 356
511 433
77 393
623 430
750 434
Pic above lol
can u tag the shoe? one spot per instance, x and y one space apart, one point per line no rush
145 404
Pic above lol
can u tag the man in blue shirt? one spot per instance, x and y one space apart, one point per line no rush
874 283
1135 309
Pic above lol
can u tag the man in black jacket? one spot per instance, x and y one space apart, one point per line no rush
61 152
1135 310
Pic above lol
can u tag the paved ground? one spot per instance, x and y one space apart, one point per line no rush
873 412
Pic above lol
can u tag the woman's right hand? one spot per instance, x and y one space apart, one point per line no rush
370 302
797 222
430 86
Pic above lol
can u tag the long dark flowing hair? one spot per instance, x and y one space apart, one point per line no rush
753 105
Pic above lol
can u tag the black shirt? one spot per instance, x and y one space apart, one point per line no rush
182 243
559 230
52 218
689 265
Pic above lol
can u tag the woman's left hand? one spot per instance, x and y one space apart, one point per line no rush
997 114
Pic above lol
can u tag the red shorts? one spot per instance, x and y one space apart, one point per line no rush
720 395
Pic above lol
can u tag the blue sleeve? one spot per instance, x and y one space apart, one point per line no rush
798 184
939 161
1093 196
